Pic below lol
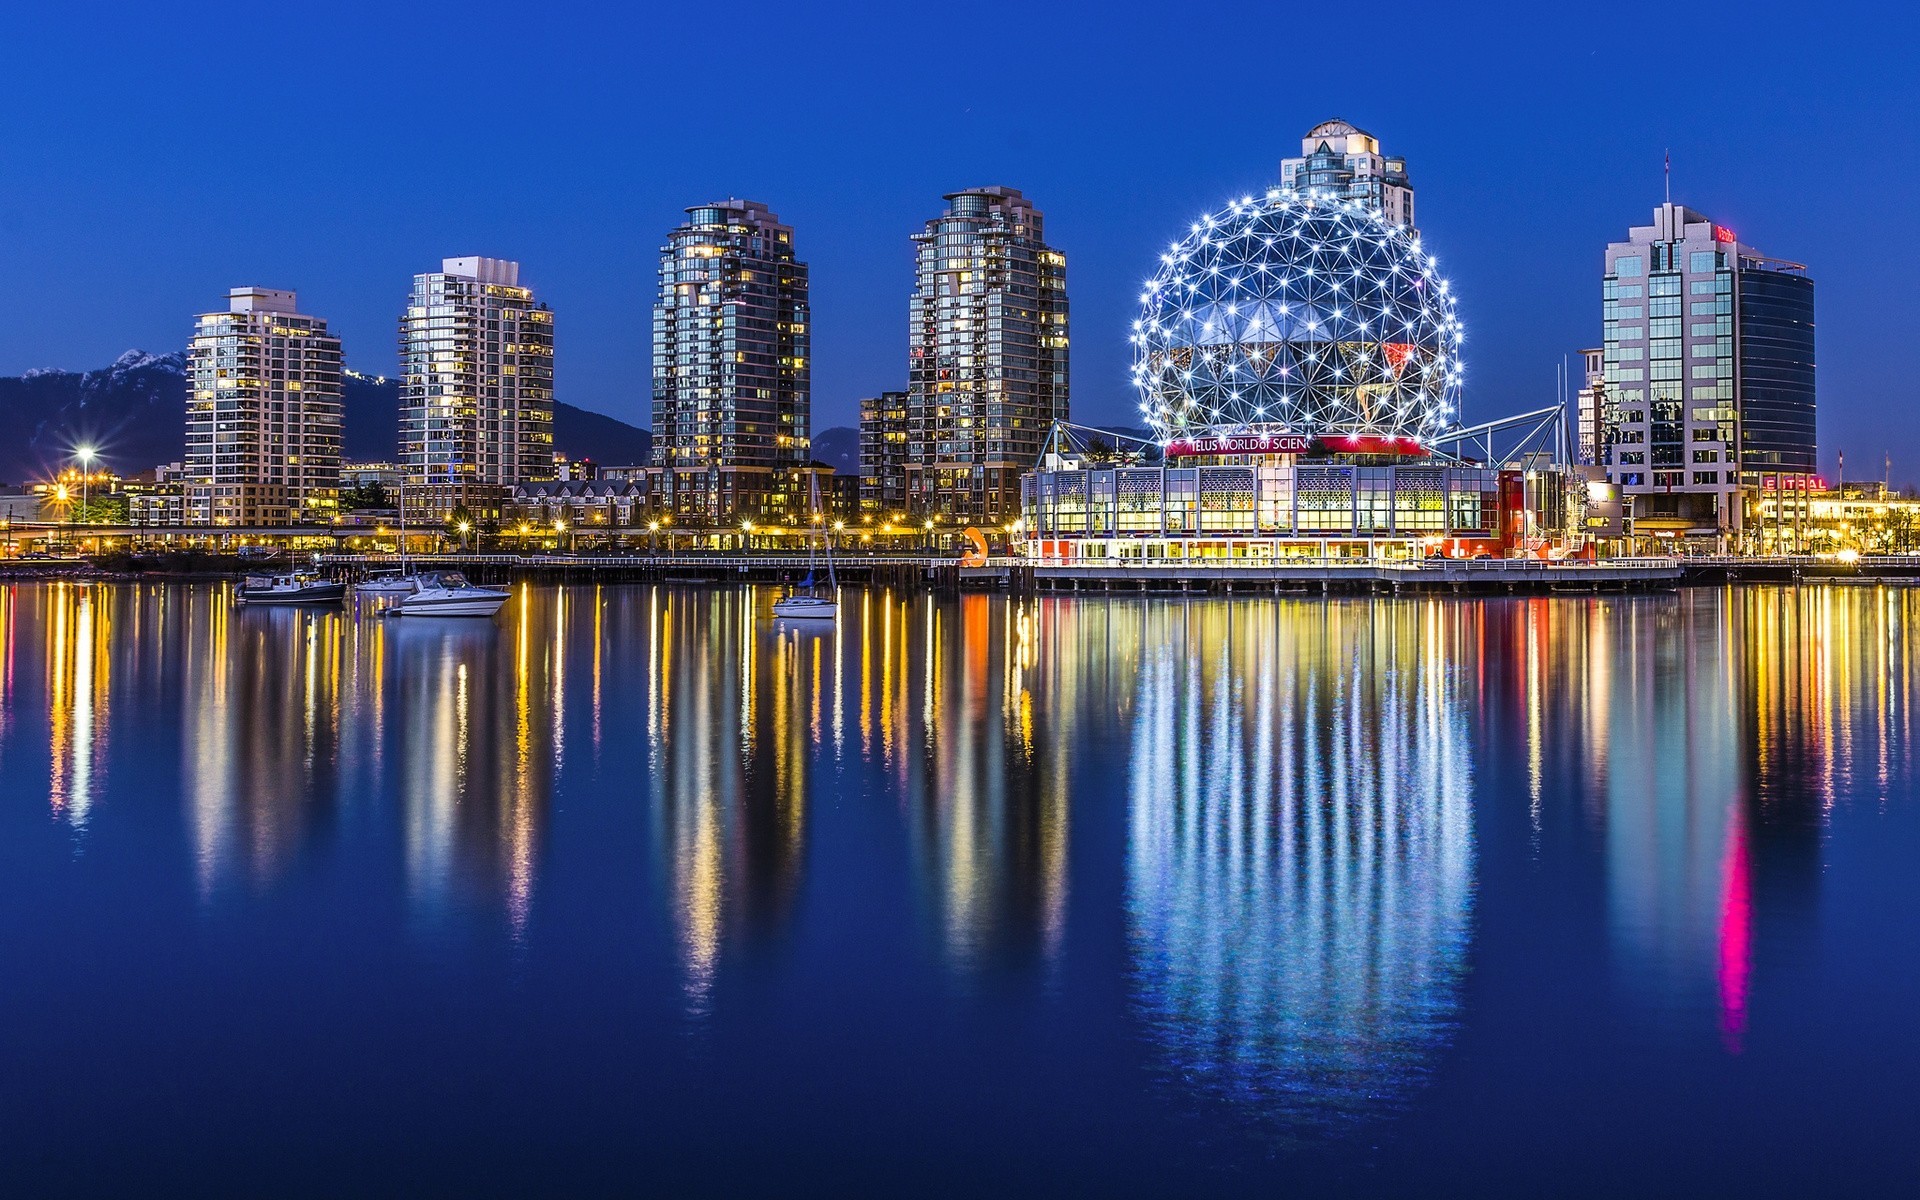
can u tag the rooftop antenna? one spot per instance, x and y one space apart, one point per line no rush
1669 173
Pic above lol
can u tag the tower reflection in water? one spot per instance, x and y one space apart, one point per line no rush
737 708
1301 862
1721 742
296 724
982 784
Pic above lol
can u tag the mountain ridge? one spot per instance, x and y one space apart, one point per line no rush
134 412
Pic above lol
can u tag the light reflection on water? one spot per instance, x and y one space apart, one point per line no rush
1288 829
1301 872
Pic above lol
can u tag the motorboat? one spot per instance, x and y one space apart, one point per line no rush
448 594
806 603
292 587
388 583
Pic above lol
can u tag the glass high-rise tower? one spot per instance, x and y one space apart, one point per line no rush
1341 159
1708 360
476 399
987 373
263 414
731 367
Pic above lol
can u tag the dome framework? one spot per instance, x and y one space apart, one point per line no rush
1291 312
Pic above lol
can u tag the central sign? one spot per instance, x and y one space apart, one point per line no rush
1251 443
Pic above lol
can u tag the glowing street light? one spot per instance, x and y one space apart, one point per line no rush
85 454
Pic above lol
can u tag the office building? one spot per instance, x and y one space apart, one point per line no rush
1709 373
731 369
1590 409
1338 159
988 356
263 414
883 453
476 396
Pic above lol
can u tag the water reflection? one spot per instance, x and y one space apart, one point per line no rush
1301 855
736 713
478 711
1300 799
78 674
1732 722
947 709
296 722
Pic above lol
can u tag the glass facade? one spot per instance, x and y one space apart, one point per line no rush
883 452
1776 373
1339 159
1306 500
476 399
732 367
988 355
263 415
1706 373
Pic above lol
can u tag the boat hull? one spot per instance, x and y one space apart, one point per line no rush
385 587
806 609
322 593
450 606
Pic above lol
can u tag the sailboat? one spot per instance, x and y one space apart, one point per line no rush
806 602
393 583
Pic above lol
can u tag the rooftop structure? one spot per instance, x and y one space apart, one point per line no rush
1341 160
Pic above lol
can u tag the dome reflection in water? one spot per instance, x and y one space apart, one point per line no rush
1301 862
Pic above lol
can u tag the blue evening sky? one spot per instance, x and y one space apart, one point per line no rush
153 155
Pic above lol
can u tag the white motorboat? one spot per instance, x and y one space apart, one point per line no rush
388 583
806 603
448 594
293 587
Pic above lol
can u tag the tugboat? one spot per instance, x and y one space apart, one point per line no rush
293 587
448 594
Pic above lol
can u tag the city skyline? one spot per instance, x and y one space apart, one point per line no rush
1574 165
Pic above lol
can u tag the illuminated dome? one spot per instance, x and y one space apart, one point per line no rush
1297 314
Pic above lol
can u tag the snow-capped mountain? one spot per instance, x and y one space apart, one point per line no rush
134 412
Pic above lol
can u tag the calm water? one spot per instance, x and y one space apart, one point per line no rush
636 891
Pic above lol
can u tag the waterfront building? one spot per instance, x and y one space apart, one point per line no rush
263 414
1340 160
1298 361
386 475
624 501
883 452
732 421
1590 409
476 397
1709 372
987 359
165 505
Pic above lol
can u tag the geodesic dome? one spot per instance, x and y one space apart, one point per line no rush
1297 313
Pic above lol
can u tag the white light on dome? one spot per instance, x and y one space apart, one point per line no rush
1326 299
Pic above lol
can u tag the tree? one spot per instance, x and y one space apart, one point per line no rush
366 495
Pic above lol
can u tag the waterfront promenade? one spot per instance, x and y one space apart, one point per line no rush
1021 575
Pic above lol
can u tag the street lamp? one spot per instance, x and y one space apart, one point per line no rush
85 455
560 530
465 527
